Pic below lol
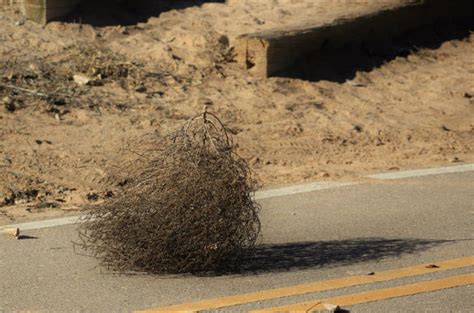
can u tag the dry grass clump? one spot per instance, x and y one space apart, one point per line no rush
23 79
104 64
188 209
51 80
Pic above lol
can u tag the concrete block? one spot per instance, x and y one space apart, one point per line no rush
269 52
43 11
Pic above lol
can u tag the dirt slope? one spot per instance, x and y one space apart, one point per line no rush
403 107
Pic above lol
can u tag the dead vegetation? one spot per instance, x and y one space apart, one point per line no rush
66 82
187 209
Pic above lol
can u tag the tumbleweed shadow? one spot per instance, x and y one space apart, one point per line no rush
306 255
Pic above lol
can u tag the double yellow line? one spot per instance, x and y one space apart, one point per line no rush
376 295
343 282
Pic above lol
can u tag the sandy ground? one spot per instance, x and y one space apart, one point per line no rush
403 104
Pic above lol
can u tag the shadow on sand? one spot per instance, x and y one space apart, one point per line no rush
125 12
343 63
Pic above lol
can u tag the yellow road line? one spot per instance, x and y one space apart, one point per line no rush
376 295
316 286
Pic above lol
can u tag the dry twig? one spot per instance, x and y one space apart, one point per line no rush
32 92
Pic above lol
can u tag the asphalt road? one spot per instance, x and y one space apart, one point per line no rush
308 237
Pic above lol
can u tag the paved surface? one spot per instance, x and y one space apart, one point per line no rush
307 237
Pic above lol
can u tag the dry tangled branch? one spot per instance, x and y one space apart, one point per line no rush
188 209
